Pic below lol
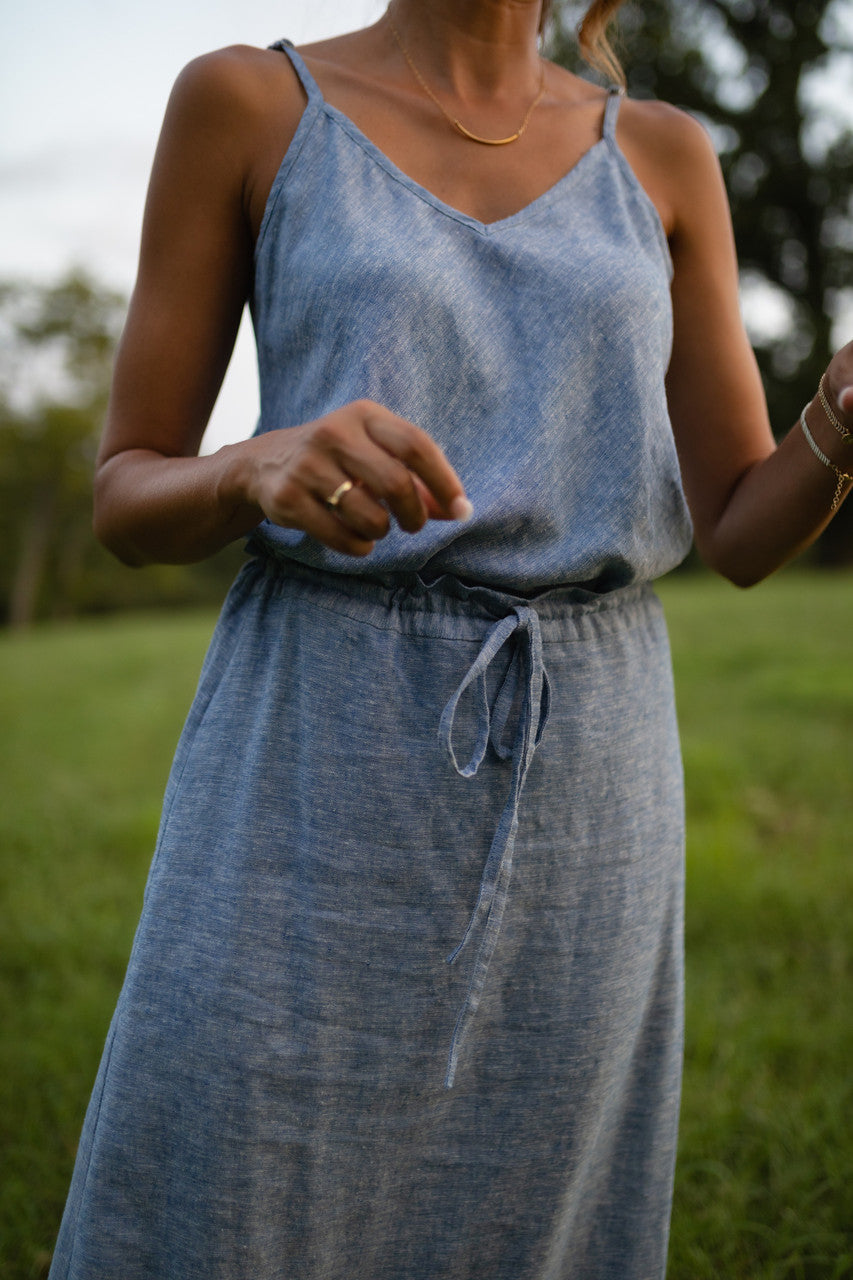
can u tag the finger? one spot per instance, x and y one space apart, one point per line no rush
305 509
359 510
317 480
460 508
419 454
385 479
325 527
845 399
342 440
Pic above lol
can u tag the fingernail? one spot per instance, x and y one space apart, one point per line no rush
846 395
461 509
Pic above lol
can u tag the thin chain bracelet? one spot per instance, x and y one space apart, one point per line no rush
828 410
843 477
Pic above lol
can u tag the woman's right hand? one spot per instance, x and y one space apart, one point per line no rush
396 469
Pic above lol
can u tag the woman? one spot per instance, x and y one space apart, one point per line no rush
384 1018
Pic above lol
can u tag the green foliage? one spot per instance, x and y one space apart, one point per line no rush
55 368
764 1189
751 70
765 1181
92 713
54 379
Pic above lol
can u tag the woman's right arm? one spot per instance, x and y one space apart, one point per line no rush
156 500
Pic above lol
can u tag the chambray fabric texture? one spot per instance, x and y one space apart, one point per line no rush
533 350
405 998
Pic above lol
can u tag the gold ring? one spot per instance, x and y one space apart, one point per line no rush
343 488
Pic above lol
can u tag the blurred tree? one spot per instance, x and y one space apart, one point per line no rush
57 344
54 379
772 80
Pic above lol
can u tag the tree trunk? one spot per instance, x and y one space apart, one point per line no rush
32 560
69 568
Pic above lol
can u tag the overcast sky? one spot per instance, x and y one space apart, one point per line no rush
82 93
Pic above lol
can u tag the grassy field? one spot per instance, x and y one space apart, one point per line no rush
91 713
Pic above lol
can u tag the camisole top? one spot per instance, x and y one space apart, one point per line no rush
533 349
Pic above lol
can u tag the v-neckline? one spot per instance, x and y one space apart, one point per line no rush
318 100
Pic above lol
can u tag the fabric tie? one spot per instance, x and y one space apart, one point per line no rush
525 664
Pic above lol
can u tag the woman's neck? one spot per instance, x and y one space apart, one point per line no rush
472 48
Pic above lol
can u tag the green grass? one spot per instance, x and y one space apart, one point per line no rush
765 1180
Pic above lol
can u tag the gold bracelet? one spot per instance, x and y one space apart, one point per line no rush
828 410
843 477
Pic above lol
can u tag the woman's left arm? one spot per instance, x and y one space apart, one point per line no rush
754 504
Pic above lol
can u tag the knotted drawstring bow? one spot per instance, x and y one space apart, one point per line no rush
526 662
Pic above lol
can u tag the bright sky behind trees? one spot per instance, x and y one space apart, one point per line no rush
82 91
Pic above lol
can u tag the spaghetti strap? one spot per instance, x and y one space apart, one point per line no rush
309 84
611 111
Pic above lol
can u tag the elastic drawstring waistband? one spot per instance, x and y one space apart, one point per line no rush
526 662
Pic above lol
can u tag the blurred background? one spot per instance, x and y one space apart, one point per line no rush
98 663
83 89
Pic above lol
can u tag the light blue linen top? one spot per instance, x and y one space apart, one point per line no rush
533 349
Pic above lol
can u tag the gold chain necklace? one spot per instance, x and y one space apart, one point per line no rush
457 124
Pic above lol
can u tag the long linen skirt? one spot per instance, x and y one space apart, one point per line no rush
405 998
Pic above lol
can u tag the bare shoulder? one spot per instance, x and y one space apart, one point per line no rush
663 126
238 84
231 117
673 156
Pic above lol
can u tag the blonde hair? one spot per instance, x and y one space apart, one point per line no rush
594 44
592 37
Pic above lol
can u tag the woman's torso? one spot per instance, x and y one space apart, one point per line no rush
532 347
